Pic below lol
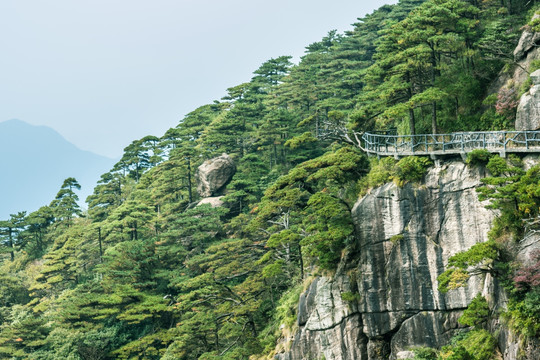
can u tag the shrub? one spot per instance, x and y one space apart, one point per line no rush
476 313
524 309
506 102
396 238
478 157
408 169
381 171
480 343
424 353
474 345
349 296
411 168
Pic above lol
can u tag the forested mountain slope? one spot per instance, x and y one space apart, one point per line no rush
147 273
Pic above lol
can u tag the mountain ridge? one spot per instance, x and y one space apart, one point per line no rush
37 159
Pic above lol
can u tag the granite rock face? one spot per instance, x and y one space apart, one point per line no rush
329 326
525 53
529 39
213 174
406 236
404 239
528 111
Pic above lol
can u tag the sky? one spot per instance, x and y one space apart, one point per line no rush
106 72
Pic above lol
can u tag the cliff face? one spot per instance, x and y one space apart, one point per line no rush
404 239
383 300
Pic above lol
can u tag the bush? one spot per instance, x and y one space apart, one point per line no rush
524 308
476 313
411 168
381 171
474 345
478 157
424 353
408 169
349 296
397 238
480 343
526 86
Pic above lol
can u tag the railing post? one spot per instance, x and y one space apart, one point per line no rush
484 141
425 142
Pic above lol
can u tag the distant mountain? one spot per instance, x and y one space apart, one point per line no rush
35 160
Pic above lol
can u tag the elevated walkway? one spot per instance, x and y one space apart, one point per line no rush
435 145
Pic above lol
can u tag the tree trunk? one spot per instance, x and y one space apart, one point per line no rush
12 254
434 74
412 125
189 180
100 246
412 122
434 129
301 262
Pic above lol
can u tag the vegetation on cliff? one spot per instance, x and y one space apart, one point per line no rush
145 273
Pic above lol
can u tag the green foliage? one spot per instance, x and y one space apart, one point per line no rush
479 258
522 314
424 353
381 171
411 169
526 86
12 291
396 238
524 306
350 296
408 169
478 157
474 345
476 313
286 311
512 191
65 206
148 274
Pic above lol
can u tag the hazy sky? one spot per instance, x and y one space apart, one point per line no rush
106 72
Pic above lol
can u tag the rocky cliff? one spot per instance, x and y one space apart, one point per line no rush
528 111
383 299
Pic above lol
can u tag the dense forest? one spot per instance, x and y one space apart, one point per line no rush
146 273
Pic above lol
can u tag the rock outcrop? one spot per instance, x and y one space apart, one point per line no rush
528 111
525 53
404 239
214 174
212 201
330 326
529 40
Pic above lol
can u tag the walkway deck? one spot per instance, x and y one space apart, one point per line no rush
502 142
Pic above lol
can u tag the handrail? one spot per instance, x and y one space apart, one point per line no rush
385 144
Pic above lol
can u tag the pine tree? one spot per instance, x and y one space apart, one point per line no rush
65 205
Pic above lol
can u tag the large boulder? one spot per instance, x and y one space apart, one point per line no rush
528 111
213 174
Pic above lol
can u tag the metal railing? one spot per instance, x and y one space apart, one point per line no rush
454 143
